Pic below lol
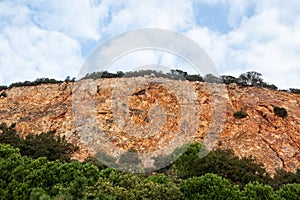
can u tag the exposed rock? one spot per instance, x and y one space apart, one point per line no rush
272 140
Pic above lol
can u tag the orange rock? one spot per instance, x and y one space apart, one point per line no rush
272 140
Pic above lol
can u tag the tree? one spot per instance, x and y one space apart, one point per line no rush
250 79
3 87
229 79
257 191
294 90
3 94
209 186
221 162
38 145
210 78
289 191
283 177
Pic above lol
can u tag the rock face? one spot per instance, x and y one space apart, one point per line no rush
158 111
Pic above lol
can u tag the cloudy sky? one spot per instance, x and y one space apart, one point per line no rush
53 38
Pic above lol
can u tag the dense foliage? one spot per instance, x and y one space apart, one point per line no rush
281 112
38 145
22 177
294 90
221 162
248 79
240 114
36 82
3 94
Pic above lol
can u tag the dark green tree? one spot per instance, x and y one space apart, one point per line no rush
229 79
209 186
281 112
38 145
251 79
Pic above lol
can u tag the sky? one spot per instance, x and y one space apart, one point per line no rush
41 38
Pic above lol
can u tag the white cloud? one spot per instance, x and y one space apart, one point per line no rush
266 42
238 11
11 13
45 37
79 19
214 44
30 53
173 14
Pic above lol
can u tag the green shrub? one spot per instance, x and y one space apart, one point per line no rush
96 162
294 90
157 190
229 79
3 94
289 191
281 112
257 191
3 87
22 177
38 81
283 177
240 114
251 79
209 186
221 162
38 145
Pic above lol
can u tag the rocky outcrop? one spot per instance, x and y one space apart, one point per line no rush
157 108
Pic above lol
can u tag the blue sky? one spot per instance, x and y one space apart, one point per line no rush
53 38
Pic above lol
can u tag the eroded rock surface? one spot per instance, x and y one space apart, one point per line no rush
149 104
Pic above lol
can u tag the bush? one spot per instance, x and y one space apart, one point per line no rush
3 94
3 87
38 81
22 177
257 191
294 90
229 79
289 191
240 114
38 145
210 78
209 186
283 177
251 79
281 112
96 162
221 162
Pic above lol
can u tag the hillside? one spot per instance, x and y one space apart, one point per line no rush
271 139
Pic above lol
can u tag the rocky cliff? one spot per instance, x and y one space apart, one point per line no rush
271 139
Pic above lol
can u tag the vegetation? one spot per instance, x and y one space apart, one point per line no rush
240 114
38 81
39 167
281 112
3 87
3 94
248 79
224 163
38 145
294 90
23 177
